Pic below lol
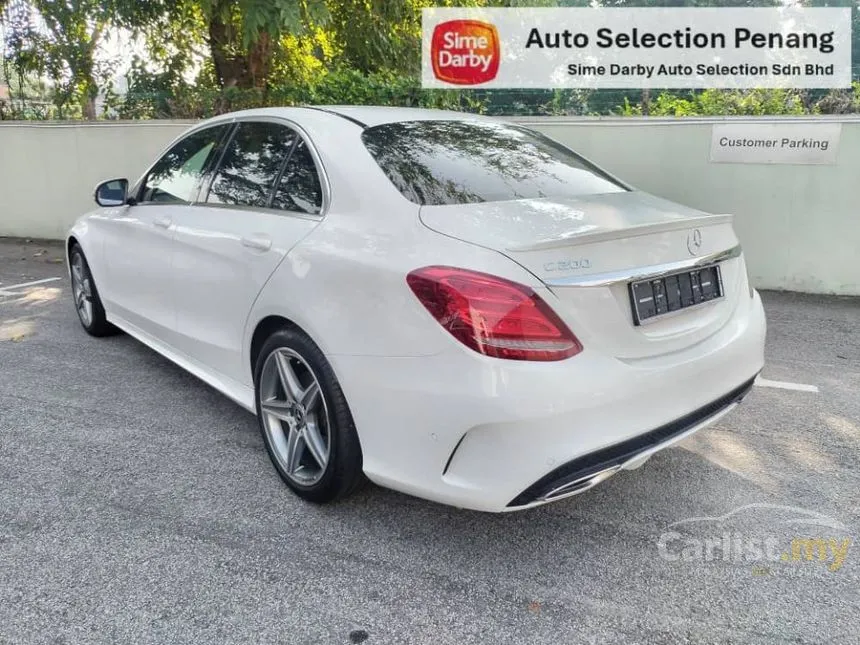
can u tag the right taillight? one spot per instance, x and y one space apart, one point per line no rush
493 316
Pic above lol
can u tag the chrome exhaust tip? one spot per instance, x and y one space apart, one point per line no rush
579 485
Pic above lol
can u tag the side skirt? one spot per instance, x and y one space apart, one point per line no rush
240 394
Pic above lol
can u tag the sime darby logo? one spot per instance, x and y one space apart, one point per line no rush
465 52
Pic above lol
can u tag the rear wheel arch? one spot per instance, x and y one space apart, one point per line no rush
272 324
265 328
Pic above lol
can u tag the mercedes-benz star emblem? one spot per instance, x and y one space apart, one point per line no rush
694 241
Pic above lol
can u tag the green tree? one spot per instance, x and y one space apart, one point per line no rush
715 102
242 35
76 28
64 46
21 59
377 35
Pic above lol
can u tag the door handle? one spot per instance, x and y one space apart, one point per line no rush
162 221
258 242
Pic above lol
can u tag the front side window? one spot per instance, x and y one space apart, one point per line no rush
175 176
458 162
251 164
299 190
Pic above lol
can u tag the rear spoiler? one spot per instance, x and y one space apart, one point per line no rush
585 235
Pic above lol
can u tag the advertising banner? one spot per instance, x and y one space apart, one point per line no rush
787 47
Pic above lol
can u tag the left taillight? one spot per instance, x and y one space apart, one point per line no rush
492 315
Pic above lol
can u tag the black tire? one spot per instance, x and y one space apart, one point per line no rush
343 473
97 325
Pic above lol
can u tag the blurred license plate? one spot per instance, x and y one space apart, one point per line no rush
658 296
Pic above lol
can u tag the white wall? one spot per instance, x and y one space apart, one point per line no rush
48 170
798 224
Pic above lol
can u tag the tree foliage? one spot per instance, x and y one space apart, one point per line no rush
243 35
61 39
723 103
206 56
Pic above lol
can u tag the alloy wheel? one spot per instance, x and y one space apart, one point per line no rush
295 416
82 289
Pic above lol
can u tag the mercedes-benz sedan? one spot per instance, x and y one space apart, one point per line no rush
451 306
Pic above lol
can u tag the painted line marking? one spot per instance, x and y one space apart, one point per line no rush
7 291
784 385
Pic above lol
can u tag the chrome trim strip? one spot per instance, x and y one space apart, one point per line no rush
258 209
644 273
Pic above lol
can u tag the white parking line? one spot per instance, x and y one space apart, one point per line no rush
8 291
784 385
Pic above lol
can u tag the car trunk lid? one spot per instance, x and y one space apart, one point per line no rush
587 250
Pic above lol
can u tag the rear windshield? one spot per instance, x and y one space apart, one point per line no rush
459 162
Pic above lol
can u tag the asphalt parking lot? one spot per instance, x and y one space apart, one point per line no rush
137 505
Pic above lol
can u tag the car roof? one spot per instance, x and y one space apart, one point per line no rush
371 115
361 115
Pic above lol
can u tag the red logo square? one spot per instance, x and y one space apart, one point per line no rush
465 52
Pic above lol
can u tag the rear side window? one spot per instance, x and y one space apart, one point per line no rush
299 189
251 164
458 162
174 178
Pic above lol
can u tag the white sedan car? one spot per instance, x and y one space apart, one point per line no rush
452 306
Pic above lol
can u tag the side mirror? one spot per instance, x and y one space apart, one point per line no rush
112 193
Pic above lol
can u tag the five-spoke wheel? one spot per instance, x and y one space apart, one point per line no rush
295 416
305 421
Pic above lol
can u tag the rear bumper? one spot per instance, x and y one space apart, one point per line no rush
493 435
585 472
